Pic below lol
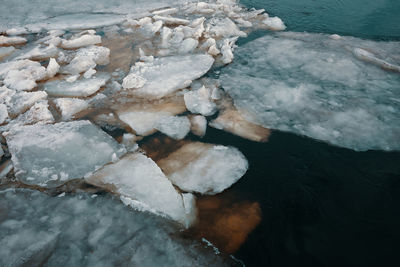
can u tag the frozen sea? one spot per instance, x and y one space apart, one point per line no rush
189 133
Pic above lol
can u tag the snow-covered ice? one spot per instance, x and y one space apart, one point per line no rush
314 85
49 155
168 74
204 168
139 179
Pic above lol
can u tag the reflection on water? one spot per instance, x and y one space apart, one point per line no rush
224 222
364 18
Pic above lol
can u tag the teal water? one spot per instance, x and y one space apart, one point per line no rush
373 19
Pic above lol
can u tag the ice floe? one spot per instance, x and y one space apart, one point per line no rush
49 155
314 85
204 168
79 229
198 125
199 101
176 127
78 88
168 74
142 184
70 106
22 74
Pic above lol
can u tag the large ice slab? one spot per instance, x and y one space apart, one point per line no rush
142 184
79 88
49 155
320 86
82 229
166 75
204 168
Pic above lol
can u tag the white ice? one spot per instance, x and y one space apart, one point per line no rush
79 229
168 74
199 101
137 177
49 155
204 168
198 125
176 127
70 106
79 88
314 85
22 74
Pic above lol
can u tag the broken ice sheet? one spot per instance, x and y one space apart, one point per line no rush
144 117
50 155
79 230
79 88
141 183
204 168
70 106
314 85
231 120
168 74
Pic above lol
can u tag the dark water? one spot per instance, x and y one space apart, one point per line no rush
375 19
321 205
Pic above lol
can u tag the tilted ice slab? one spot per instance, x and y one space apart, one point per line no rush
204 168
320 86
50 155
82 229
166 75
141 183
79 88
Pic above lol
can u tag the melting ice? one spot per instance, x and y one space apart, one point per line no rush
341 90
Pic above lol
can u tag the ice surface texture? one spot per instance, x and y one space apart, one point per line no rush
321 87
166 75
82 230
50 155
72 14
204 168
138 178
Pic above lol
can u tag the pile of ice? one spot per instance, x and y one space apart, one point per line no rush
58 71
341 90
82 229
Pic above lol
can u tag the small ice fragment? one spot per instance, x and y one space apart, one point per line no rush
84 40
176 127
198 101
52 68
198 125
133 81
70 106
14 40
274 24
